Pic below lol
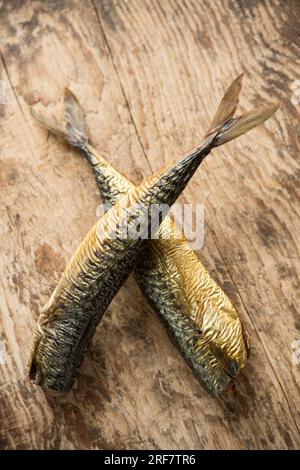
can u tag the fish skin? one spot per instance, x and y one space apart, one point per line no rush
181 291
93 276
95 273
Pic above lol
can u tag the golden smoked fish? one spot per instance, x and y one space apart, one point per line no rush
199 317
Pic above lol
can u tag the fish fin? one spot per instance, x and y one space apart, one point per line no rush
74 131
50 125
225 126
228 105
75 120
244 123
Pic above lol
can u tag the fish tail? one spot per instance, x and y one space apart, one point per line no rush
74 130
75 120
225 126
227 106
244 123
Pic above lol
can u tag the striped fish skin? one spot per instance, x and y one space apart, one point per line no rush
96 272
199 317
212 342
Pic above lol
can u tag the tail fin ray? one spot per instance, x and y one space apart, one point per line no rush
74 131
225 126
50 125
228 105
244 123
75 120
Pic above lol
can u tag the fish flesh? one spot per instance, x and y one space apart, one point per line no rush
199 317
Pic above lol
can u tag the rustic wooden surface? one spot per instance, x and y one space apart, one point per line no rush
150 74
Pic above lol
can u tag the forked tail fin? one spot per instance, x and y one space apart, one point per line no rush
244 123
227 106
74 131
75 120
225 126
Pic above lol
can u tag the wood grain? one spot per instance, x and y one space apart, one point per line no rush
150 74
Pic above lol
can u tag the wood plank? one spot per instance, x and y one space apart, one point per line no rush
171 78
149 75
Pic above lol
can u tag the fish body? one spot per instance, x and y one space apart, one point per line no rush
96 272
199 317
